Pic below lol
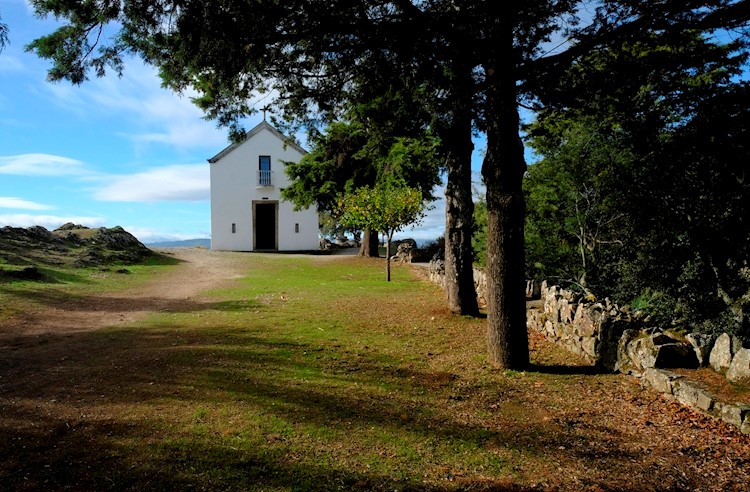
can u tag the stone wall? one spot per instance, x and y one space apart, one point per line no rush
693 395
613 339
590 329
437 275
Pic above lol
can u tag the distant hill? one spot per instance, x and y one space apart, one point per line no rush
187 243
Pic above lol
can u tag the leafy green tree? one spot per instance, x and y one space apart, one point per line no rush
645 163
476 63
350 155
698 242
387 207
334 163
479 233
574 199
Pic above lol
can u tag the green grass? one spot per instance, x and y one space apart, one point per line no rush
61 284
310 374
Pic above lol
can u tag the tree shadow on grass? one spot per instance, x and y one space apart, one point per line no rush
46 271
115 410
159 258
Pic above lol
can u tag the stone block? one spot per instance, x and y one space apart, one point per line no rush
583 323
641 353
623 362
549 327
565 310
659 379
722 353
588 346
702 345
734 414
739 369
693 396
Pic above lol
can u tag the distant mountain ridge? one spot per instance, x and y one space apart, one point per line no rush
186 243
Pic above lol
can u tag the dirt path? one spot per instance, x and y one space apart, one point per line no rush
199 271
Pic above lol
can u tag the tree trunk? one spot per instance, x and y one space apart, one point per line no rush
388 258
503 169
369 245
459 206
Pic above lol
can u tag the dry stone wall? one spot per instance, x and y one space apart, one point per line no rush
591 330
437 275
613 339
692 395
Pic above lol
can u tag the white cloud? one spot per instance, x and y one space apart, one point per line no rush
182 134
155 114
186 182
13 122
39 165
50 222
11 64
14 202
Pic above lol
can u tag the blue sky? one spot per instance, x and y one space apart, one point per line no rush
112 151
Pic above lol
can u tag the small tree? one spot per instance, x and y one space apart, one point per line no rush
387 208
356 152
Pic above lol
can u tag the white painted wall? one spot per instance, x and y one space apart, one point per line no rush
234 187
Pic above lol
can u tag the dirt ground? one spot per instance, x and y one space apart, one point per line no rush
663 434
200 270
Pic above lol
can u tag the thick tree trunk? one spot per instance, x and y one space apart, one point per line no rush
503 169
459 255
369 245
459 208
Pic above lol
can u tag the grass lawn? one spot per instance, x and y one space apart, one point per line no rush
310 374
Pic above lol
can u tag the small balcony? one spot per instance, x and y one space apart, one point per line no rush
264 179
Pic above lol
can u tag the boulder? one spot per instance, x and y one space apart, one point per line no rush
404 252
623 363
586 321
702 345
69 226
660 380
411 242
735 414
739 369
722 353
660 350
692 395
114 245
39 233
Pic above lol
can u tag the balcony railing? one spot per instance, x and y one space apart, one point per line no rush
264 178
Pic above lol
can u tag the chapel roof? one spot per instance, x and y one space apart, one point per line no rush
251 133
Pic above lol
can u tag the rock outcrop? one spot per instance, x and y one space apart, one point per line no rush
71 244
